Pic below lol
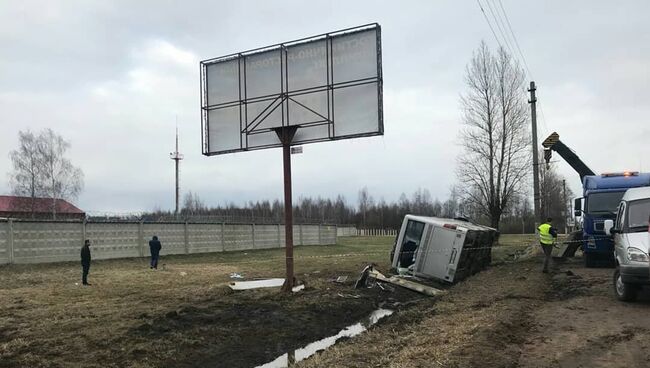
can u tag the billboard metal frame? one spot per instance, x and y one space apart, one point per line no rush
281 100
286 131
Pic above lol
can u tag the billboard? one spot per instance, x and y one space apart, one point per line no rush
329 87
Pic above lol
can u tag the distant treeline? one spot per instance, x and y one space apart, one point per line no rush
366 213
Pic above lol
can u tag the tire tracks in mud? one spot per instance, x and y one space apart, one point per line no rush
502 342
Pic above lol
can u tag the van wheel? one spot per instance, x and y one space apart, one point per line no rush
624 291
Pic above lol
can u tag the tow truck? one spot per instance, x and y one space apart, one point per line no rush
601 195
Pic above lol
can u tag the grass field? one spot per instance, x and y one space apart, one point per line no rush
184 314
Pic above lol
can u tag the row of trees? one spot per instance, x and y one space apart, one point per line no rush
371 213
40 168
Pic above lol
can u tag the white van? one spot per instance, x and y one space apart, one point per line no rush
631 238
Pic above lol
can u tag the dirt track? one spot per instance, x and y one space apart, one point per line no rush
511 316
585 326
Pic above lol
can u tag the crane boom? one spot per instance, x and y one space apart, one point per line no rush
553 143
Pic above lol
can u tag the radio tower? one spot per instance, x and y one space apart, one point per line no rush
177 157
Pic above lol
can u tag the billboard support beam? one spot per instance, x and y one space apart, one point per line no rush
286 134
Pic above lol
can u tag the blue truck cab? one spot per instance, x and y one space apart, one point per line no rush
602 195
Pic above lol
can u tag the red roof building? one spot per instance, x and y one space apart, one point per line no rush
38 208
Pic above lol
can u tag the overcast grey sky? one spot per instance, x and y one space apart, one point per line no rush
112 77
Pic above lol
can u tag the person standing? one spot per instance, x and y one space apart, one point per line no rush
154 248
547 236
85 262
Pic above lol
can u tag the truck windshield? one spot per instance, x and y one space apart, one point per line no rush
604 202
638 214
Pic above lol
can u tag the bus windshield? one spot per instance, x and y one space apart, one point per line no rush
606 202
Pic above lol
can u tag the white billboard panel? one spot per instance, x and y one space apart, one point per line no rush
329 86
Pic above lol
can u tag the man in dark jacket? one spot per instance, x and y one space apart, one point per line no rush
85 262
154 248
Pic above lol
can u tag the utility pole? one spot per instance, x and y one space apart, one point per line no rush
177 157
533 114
566 210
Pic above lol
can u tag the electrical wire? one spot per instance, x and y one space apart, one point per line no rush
514 37
544 128
489 24
499 21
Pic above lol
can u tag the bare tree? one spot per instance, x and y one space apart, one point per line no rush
41 168
27 178
193 205
552 196
496 160
62 180
366 202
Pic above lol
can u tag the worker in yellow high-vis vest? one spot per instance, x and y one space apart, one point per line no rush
547 236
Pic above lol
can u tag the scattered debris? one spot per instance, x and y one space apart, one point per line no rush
257 284
235 275
349 296
386 287
183 273
369 273
363 279
264 283
339 279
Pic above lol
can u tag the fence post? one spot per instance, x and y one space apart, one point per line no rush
186 238
279 236
10 241
223 236
320 236
141 238
253 233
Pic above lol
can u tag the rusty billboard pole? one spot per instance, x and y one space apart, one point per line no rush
285 134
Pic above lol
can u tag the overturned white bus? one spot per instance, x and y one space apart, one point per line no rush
445 249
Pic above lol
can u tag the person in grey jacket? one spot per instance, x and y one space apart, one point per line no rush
154 248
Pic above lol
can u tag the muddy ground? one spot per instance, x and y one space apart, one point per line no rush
510 316
185 316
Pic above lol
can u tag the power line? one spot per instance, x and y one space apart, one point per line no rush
489 24
498 21
523 58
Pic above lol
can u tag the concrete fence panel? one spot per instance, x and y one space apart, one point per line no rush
112 240
297 236
205 238
5 246
310 234
327 234
35 242
266 236
171 235
238 237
